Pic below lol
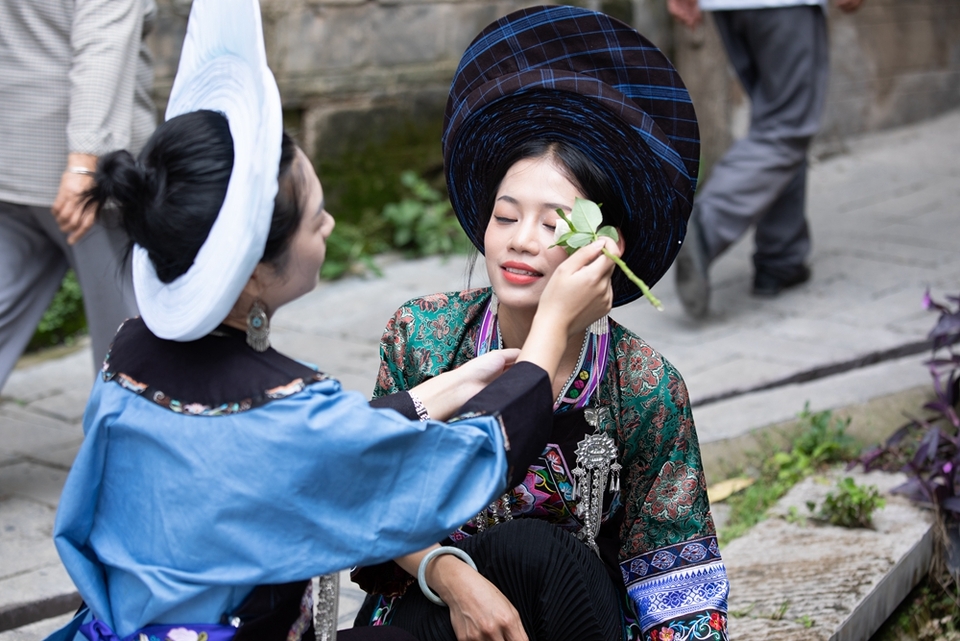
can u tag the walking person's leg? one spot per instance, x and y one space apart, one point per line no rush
782 233
783 240
105 279
779 55
31 269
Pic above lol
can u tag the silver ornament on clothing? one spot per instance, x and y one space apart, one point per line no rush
596 459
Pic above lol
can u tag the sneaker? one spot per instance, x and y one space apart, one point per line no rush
693 282
768 284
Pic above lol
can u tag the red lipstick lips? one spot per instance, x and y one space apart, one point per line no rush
519 273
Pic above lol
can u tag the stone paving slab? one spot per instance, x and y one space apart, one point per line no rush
738 416
802 581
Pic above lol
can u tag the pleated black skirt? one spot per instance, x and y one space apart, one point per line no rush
558 585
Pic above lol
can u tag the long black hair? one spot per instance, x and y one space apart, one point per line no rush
576 166
168 197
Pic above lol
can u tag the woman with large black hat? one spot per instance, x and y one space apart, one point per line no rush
610 535
217 476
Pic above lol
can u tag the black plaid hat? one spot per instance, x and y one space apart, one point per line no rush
585 79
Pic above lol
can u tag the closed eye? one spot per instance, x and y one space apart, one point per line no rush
504 219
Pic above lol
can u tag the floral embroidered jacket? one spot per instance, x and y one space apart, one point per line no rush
668 553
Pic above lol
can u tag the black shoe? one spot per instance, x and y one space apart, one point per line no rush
693 282
768 284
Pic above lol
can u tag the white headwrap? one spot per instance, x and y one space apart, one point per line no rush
223 67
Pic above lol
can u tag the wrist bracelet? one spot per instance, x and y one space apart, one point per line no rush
83 171
430 556
419 407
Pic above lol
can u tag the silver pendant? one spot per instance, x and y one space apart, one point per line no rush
326 596
596 459
496 512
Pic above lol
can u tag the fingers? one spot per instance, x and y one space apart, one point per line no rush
72 218
86 221
509 355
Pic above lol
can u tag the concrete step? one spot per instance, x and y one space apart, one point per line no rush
802 581
36 631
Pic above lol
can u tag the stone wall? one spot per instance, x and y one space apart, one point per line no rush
364 81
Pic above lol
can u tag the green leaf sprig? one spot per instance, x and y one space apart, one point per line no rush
583 228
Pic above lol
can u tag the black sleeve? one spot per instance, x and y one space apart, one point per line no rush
522 401
400 402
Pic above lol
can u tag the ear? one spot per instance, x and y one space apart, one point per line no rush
620 242
255 284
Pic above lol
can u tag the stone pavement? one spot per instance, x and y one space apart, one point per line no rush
794 579
885 224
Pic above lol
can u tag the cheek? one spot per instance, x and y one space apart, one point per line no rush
555 256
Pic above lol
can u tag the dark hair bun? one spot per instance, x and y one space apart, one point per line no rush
169 198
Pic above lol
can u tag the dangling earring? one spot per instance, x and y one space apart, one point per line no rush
258 327
600 326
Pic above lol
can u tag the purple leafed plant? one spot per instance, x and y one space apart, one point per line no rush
928 449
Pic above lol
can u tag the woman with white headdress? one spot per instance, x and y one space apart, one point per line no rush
218 475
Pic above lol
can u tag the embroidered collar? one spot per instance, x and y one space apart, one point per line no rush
591 365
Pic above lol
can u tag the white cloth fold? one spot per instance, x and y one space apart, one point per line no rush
223 67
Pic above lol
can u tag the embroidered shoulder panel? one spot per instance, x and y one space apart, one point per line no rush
198 409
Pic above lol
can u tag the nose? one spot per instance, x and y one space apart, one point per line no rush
524 239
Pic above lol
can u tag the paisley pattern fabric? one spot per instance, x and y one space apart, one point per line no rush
663 490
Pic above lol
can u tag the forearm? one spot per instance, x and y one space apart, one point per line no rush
545 345
84 161
444 574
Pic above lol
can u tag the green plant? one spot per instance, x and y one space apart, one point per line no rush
582 227
819 441
351 247
850 505
424 222
64 319
931 612
805 621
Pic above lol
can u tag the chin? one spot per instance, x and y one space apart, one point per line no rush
511 298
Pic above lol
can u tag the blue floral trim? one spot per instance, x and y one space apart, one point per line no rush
667 559
680 593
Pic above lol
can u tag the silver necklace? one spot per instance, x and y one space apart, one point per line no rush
596 459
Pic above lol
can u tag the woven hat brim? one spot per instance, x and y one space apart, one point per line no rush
571 74
653 229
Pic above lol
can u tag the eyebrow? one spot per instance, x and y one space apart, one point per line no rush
552 206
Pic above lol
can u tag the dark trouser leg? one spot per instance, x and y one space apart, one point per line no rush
31 268
104 277
783 236
780 56
558 585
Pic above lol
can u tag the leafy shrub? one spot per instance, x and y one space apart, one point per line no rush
928 448
424 223
351 247
64 319
820 441
851 505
